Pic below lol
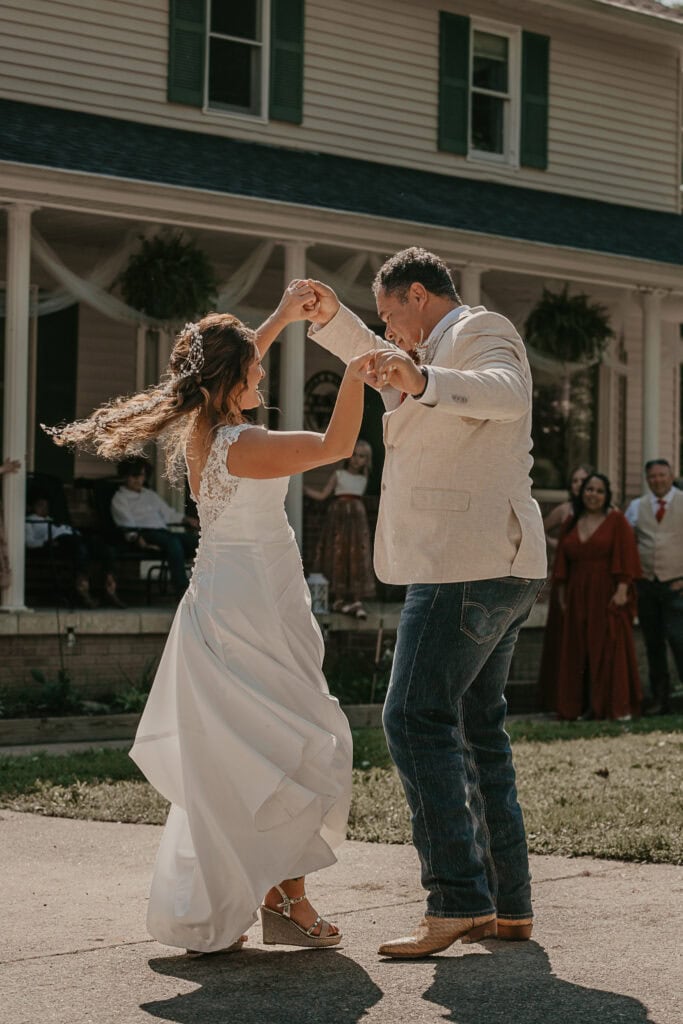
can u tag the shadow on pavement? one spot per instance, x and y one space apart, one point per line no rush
263 986
514 982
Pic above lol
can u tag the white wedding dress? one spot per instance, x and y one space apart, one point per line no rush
240 733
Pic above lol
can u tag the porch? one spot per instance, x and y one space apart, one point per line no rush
110 657
624 410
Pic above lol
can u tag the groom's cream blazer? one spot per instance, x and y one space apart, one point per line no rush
456 499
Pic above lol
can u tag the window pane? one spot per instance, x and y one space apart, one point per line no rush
564 426
236 18
234 76
490 62
488 118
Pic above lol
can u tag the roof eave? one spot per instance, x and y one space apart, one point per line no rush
657 26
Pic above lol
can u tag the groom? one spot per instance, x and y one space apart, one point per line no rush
457 523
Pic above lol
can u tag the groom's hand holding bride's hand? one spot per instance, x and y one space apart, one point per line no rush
299 302
396 369
361 368
305 299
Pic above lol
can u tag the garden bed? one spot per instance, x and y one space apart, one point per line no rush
81 728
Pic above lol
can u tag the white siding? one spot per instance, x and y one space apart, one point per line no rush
371 87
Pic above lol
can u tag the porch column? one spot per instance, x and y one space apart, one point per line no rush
292 380
470 284
17 309
652 351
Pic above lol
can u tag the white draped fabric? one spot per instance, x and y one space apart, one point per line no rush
93 288
93 291
102 275
343 281
244 278
85 290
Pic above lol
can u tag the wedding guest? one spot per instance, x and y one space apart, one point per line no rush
657 518
344 551
146 518
240 732
552 634
552 523
457 523
42 532
8 466
596 564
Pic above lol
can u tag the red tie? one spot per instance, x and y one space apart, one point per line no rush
404 395
659 514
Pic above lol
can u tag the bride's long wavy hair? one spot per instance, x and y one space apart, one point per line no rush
170 410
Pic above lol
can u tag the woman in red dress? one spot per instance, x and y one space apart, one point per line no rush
597 561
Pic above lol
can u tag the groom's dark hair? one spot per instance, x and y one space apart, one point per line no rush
410 265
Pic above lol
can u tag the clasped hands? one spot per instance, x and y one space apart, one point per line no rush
389 368
378 368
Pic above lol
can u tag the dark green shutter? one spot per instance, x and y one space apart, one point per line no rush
287 60
454 82
186 51
535 74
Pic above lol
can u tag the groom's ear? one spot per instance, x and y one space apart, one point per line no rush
418 294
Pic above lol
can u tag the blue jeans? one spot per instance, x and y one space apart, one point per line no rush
444 719
177 547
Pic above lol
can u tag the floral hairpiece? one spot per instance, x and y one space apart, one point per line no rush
194 359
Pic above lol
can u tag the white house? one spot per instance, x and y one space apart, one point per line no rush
531 144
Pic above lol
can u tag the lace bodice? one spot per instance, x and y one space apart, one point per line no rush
217 485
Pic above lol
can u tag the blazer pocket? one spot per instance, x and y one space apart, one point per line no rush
440 500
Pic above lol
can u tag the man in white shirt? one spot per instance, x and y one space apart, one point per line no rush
146 517
657 518
458 525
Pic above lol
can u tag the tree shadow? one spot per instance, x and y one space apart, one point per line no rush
514 982
258 986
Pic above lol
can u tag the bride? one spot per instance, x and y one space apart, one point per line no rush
240 732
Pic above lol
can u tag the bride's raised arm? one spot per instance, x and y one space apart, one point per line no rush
298 302
264 454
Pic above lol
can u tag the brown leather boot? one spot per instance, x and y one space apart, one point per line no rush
515 931
434 934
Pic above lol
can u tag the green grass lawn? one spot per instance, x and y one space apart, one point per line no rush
592 788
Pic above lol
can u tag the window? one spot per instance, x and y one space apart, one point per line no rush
564 428
242 58
493 92
236 55
493 102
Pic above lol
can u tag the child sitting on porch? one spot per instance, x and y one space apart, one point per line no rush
42 532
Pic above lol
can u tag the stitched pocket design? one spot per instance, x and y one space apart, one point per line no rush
486 612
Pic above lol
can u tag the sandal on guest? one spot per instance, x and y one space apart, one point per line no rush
281 929
234 948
